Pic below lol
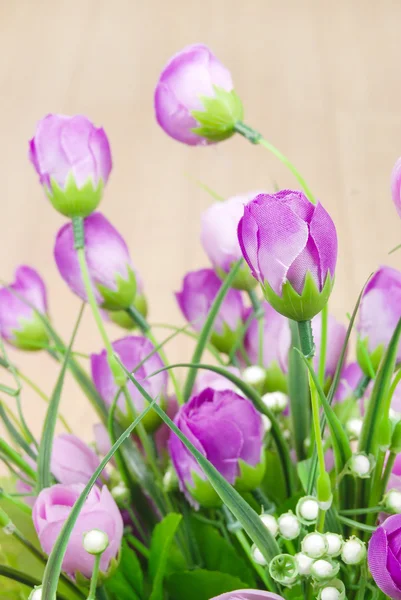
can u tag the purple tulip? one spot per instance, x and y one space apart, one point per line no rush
72 460
210 379
190 75
20 324
248 595
228 431
384 557
350 378
108 260
380 311
396 185
336 333
52 508
276 338
102 439
287 241
195 300
219 237
132 350
73 160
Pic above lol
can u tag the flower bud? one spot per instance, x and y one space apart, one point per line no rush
36 593
392 501
21 303
353 551
254 376
324 569
170 480
334 544
361 465
290 246
283 568
73 160
276 401
304 563
267 424
195 102
257 556
121 494
334 590
307 510
95 542
289 526
354 428
270 523
314 545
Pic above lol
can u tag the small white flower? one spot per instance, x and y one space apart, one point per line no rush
330 593
304 563
257 556
95 541
276 401
270 523
360 465
254 375
323 569
353 551
289 526
354 427
314 545
392 501
267 424
307 509
120 493
36 594
334 543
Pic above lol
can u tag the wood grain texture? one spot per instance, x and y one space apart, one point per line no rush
321 81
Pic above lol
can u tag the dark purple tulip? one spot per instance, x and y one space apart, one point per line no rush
384 557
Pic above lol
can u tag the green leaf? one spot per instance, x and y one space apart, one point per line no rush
202 585
298 391
127 582
53 567
162 540
303 470
207 328
273 483
241 510
44 478
220 555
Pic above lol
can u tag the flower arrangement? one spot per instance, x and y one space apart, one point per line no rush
272 471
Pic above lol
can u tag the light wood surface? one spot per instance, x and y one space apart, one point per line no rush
321 80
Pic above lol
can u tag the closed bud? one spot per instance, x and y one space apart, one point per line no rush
314 545
254 376
334 590
270 523
324 495
304 563
361 465
121 494
392 501
354 428
324 569
334 544
276 401
353 551
95 542
36 593
283 568
289 526
307 510
257 556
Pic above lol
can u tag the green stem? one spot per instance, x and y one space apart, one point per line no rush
323 344
259 314
388 470
361 511
95 575
356 524
256 138
16 459
394 385
306 339
141 548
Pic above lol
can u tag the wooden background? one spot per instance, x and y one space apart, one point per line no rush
321 80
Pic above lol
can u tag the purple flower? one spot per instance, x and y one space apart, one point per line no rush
276 338
336 333
288 243
102 439
72 158
195 300
379 312
384 557
108 260
19 322
132 350
396 185
219 236
72 460
210 379
190 75
228 431
248 595
350 378
52 508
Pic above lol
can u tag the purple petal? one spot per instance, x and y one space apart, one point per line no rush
323 232
377 559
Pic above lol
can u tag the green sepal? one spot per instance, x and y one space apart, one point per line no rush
300 307
123 319
226 340
243 280
221 112
250 477
276 379
364 356
73 201
31 335
83 582
203 492
123 296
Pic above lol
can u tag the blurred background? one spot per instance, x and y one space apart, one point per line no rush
321 81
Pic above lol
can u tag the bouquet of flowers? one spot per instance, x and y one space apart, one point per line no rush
272 469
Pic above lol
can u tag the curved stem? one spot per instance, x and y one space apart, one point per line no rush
323 344
259 314
95 575
256 138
